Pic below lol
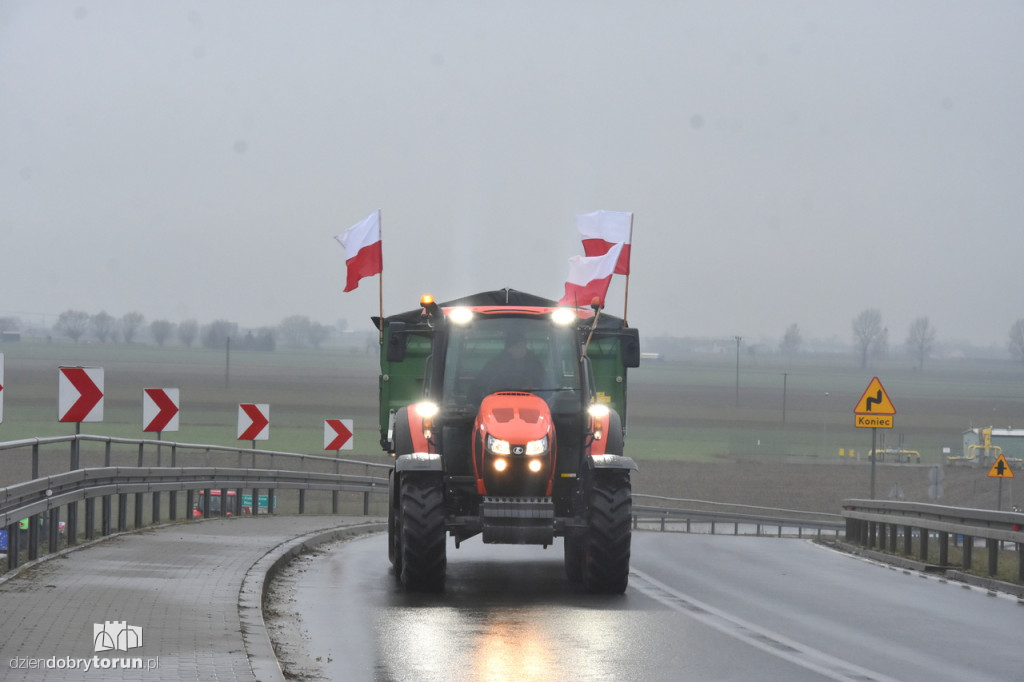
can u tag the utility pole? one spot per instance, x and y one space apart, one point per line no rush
738 339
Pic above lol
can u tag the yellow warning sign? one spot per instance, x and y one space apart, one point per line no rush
878 421
1000 469
875 401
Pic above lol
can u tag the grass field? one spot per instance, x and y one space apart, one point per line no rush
683 410
683 419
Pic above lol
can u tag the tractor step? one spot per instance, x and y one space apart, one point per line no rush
518 520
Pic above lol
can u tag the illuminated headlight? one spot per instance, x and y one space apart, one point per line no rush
535 465
460 315
426 409
563 316
537 447
598 411
500 464
497 446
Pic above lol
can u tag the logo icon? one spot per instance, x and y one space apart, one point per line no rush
113 634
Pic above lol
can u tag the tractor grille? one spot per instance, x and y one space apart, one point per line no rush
518 520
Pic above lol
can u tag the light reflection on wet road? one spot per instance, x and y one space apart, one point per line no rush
697 608
508 613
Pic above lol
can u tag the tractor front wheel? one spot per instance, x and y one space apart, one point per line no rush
421 532
607 541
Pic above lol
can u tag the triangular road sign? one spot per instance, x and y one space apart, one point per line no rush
875 401
1000 468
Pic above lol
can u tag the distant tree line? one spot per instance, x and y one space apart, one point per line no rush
296 331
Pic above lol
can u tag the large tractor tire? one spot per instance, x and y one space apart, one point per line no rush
421 532
607 541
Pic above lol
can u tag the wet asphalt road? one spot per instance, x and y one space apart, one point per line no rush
697 608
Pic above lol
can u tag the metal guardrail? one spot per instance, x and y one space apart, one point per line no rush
714 514
876 523
40 500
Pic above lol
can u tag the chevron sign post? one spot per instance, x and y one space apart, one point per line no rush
338 434
80 394
160 409
253 421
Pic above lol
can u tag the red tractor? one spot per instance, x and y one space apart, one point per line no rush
505 414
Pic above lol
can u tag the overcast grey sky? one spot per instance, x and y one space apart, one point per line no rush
786 162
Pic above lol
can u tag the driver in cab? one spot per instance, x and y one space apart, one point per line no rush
515 368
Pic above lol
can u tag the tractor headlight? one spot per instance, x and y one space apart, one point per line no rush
497 446
537 447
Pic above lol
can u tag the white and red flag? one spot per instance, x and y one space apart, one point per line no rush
601 230
362 249
589 277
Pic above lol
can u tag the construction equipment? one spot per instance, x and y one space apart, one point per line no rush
506 417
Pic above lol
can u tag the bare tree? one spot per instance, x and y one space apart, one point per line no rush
216 334
188 331
920 340
161 331
791 340
104 326
295 330
1017 340
130 323
318 333
868 334
72 324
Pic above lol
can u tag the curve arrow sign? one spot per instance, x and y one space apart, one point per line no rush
338 434
80 394
160 409
253 421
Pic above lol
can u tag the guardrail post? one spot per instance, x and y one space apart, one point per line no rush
255 501
302 501
13 545
923 556
943 548
908 540
106 454
968 550
993 555
882 527
33 537
35 461
54 529
90 518
663 524
190 503
122 512
138 509
156 506
105 513
270 499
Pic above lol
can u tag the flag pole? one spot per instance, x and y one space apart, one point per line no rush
380 282
625 304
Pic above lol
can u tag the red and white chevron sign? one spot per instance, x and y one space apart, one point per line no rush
80 394
160 409
253 421
338 434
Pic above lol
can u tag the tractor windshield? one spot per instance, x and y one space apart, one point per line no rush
493 354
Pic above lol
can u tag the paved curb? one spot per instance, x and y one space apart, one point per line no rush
256 583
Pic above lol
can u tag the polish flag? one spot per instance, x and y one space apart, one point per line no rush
589 278
362 246
603 229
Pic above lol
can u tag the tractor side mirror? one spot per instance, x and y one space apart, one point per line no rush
397 342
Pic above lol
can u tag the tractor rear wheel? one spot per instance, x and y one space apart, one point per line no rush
606 544
421 532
